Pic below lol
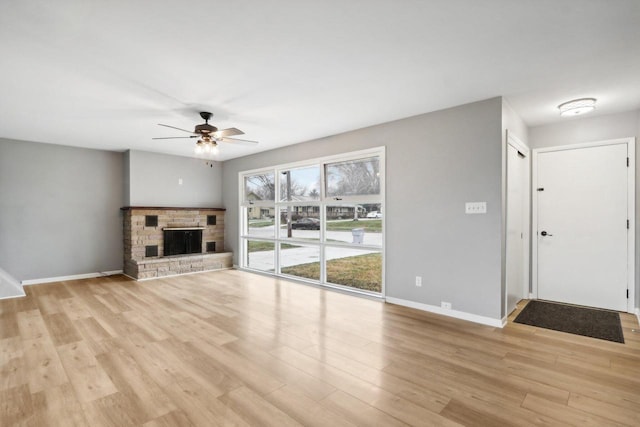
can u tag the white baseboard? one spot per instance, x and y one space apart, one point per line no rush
489 321
22 295
638 314
72 277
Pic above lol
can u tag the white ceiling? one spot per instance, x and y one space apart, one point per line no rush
102 74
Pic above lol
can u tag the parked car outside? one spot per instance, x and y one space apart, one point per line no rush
372 214
306 224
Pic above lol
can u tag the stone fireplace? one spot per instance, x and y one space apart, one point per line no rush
162 241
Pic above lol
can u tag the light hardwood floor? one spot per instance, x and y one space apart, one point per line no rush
233 348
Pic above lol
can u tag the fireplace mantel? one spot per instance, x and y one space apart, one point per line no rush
169 208
144 228
184 228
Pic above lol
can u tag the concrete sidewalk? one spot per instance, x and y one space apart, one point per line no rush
264 260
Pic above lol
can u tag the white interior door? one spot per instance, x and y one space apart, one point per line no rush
516 209
582 230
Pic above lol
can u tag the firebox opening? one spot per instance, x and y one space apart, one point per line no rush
182 241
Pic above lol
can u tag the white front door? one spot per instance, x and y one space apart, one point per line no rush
516 208
582 230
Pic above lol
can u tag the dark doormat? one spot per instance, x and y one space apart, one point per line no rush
589 322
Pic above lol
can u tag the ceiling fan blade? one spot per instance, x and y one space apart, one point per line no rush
173 127
227 132
177 137
241 141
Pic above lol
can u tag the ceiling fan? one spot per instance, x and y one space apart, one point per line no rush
209 135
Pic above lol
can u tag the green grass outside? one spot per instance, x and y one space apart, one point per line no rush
260 224
260 246
370 225
361 271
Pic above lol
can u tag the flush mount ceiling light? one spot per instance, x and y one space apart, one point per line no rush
577 107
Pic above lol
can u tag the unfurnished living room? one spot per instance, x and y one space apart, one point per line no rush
329 213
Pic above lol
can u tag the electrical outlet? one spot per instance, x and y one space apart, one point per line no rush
179 181
418 281
445 305
475 208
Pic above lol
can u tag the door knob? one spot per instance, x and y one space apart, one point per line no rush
544 233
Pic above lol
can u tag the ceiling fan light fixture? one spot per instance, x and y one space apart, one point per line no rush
199 147
576 107
208 135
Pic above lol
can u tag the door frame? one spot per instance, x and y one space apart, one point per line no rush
526 220
631 205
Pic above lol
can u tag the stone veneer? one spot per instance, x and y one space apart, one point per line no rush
137 236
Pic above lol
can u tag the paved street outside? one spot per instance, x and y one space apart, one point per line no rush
370 238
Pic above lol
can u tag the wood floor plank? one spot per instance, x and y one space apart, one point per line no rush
287 374
172 419
565 414
113 302
394 405
91 330
31 325
9 325
201 408
255 410
200 329
305 410
12 364
148 325
61 330
156 359
43 365
48 304
74 308
194 363
247 372
89 380
233 348
467 415
57 407
130 380
113 410
16 405
358 412
605 410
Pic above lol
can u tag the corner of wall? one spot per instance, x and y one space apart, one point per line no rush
127 178
513 124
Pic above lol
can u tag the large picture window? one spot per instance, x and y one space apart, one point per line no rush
320 221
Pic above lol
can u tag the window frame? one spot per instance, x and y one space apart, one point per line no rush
322 203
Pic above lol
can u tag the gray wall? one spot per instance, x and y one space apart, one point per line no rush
59 210
153 181
598 128
435 163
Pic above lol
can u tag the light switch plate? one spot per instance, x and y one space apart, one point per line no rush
475 208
